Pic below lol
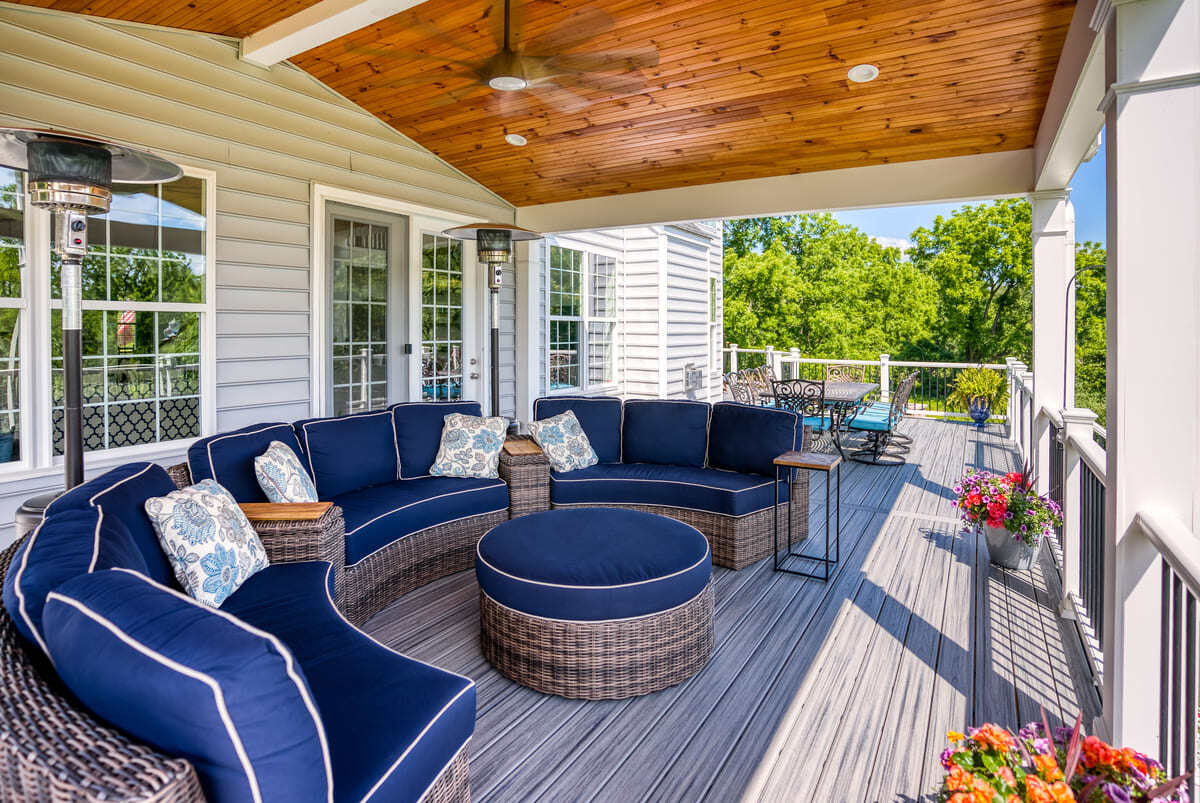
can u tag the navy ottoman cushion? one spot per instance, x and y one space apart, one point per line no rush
592 564
229 458
350 452
419 432
64 546
393 722
709 489
667 432
122 493
746 438
599 416
192 681
381 514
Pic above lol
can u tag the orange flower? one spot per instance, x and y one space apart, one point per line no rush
1036 791
1047 767
1096 753
989 735
960 797
1129 759
959 780
1006 775
1062 793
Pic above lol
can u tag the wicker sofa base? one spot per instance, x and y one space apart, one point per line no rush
422 557
454 784
607 660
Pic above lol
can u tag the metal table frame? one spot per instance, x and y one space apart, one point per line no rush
815 462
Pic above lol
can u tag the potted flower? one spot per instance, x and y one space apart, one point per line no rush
1012 516
978 391
990 764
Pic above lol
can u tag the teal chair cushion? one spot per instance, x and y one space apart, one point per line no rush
816 423
871 420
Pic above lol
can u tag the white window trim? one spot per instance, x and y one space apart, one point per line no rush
37 436
584 319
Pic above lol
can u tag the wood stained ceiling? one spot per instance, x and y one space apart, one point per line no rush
224 17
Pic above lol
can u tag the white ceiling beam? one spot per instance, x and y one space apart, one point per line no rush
952 179
316 25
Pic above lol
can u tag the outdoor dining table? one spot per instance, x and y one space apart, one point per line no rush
842 399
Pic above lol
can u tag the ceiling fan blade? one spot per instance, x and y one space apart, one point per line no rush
605 61
613 84
559 97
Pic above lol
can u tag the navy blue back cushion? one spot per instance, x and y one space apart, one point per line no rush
228 458
671 433
351 452
746 438
64 546
600 417
419 432
193 682
122 493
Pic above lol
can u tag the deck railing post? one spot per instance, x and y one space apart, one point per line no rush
769 357
885 384
733 358
794 354
1011 413
1076 424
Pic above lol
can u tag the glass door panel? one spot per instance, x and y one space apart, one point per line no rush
441 318
360 276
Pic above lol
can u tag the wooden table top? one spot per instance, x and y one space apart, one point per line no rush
521 447
285 511
814 461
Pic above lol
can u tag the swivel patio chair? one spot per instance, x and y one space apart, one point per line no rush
845 373
806 398
884 446
739 388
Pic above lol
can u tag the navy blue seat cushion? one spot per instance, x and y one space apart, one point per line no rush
64 546
192 681
747 439
599 416
349 452
393 722
122 493
592 564
667 432
228 458
381 514
709 489
419 432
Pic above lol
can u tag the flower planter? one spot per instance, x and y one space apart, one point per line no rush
980 409
1005 549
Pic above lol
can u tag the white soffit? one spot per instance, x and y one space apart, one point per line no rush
316 25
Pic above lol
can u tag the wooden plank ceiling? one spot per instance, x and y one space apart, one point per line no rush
730 90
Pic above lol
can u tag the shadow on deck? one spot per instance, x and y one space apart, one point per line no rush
817 691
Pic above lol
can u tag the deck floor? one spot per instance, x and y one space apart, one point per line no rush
838 691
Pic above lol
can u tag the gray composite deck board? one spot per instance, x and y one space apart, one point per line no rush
816 691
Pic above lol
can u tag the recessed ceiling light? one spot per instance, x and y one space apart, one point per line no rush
862 73
507 83
515 139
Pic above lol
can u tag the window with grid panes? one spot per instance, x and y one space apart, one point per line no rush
360 316
566 317
441 318
13 258
601 320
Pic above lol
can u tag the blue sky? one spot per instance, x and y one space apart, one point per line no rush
893 225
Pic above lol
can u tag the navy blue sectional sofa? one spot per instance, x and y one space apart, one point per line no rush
708 465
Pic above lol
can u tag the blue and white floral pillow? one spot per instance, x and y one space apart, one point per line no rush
470 447
564 442
208 540
282 477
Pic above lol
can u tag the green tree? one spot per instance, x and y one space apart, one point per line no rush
1090 338
981 258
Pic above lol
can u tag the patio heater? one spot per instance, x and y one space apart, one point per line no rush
493 243
72 177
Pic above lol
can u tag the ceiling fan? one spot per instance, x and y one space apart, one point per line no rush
549 66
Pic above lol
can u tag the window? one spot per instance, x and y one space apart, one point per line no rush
441 318
582 323
145 313
360 316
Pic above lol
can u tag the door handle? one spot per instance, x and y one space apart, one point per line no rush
474 375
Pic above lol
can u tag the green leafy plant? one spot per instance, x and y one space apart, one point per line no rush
973 383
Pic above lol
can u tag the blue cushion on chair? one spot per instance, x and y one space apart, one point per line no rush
381 514
419 432
122 493
393 723
350 452
193 682
615 564
747 439
228 458
871 420
687 487
64 546
600 417
667 432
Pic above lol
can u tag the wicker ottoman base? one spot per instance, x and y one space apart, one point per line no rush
607 660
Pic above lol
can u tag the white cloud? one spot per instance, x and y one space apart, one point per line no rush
893 242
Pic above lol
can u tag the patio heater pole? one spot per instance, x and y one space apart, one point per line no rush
72 177
494 298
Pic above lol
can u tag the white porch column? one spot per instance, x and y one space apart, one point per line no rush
1053 264
529 266
1152 113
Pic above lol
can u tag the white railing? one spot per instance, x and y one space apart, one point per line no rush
934 382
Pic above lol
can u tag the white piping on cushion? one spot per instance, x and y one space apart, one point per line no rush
414 532
557 505
21 595
187 671
421 502
212 468
96 540
288 660
707 556
671 482
596 621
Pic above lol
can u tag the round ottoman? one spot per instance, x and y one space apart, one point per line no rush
595 603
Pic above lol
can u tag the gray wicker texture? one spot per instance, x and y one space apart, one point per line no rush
454 784
607 660
528 478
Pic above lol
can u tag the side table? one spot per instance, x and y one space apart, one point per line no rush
831 464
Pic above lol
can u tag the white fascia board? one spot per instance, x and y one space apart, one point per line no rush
952 179
316 25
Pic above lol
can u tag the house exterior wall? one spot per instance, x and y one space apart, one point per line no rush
268 136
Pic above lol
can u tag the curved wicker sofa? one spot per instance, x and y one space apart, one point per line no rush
707 465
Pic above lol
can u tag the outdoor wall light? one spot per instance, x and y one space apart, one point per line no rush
72 177
493 248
